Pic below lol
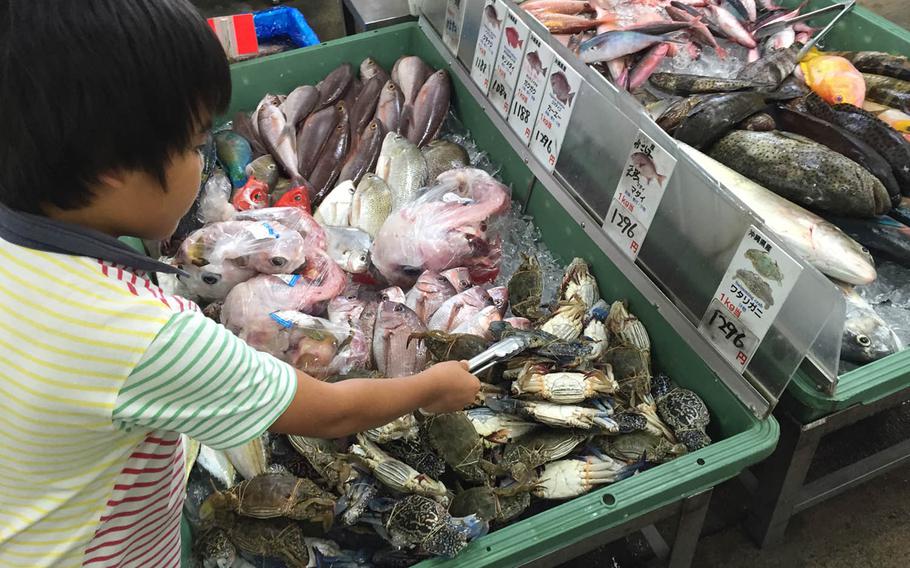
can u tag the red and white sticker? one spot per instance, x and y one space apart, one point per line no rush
512 44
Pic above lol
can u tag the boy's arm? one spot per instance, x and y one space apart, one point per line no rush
199 379
332 410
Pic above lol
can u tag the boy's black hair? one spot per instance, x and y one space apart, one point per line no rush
90 86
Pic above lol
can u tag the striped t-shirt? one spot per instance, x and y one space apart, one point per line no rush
100 372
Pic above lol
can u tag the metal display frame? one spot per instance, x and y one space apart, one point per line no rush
682 293
779 489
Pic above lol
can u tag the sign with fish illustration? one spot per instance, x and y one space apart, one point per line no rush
491 24
751 293
532 81
560 93
638 194
512 44
451 33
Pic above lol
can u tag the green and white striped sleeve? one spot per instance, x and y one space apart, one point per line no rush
199 379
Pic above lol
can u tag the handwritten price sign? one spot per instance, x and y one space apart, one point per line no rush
625 230
532 81
512 44
730 336
491 25
451 33
560 93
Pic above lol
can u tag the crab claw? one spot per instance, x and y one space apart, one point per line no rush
473 526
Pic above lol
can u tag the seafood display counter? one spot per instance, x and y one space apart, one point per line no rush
553 533
682 253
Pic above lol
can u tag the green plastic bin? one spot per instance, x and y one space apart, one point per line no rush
860 30
740 439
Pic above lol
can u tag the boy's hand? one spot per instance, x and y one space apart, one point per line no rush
454 387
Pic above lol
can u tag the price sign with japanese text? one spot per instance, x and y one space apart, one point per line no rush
624 228
729 335
755 286
639 192
451 34
491 24
532 81
560 93
512 44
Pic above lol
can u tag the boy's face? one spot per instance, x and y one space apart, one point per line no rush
152 212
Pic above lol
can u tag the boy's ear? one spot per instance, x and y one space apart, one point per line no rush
115 179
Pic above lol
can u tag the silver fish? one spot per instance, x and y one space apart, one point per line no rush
392 294
280 139
428 294
442 156
459 308
394 353
349 247
403 167
299 104
866 336
819 242
371 204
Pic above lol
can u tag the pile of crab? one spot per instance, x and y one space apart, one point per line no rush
577 409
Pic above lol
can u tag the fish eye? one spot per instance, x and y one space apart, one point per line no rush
210 279
278 261
863 340
398 307
298 197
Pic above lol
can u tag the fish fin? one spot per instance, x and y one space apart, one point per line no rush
571 98
660 178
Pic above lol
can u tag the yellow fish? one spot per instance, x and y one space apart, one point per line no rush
833 78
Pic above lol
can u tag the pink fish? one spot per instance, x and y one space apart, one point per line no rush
698 30
460 309
500 296
431 291
731 26
647 65
646 167
447 226
512 38
459 278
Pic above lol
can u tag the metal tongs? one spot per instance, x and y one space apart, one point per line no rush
774 27
498 352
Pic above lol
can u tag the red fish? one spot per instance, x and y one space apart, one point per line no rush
253 195
295 197
512 38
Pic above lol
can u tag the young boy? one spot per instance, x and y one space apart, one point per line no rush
103 104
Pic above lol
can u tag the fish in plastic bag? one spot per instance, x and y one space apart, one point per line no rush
450 225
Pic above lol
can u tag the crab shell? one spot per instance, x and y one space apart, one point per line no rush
596 331
490 504
281 538
525 289
322 457
566 388
496 427
451 347
626 329
533 451
455 439
402 428
579 285
416 520
628 361
642 445
567 321
417 453
567 416
215 548
397 475
565 479
272 495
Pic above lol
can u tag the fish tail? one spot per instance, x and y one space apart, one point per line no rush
660 178
521 42
571 98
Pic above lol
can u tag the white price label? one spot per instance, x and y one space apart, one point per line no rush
451 35
532 81
729 335
624 228
755 286
561 91
491 24
512 44
644 178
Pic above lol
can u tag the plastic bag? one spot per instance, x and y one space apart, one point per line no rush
250 304
221 255
451 224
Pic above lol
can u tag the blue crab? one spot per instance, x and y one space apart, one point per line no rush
569 478
395 474
683 411
558 415
418 522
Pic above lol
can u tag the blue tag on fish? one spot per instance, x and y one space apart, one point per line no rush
289 279
281 321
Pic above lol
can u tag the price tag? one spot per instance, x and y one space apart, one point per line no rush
624 228
755 286
491 24
532 81
512 44
729 335
561 90
639 192
451 35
